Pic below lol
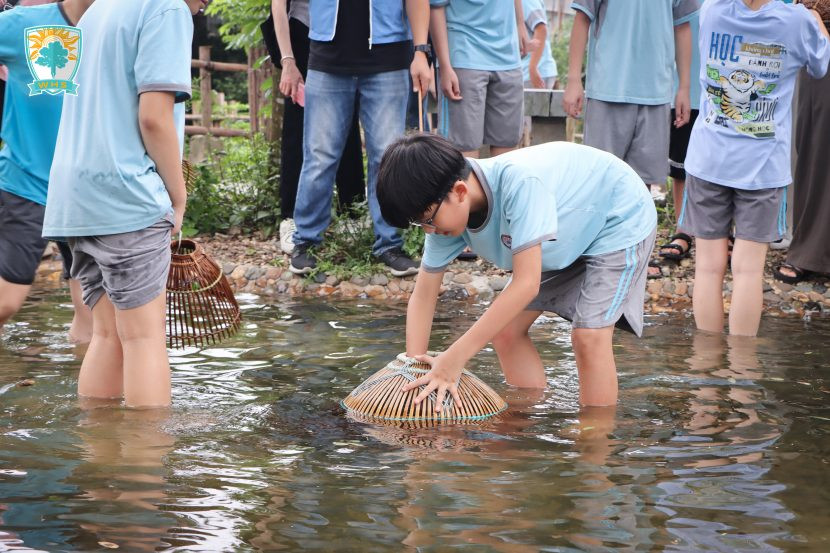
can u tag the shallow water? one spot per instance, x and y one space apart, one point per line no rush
717 445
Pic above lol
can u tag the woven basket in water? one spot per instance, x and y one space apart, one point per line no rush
201 307
379 398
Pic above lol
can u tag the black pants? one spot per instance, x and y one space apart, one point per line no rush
350 180
2 97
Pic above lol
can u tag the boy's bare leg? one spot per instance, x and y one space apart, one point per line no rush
102 374
12 297
747 289
80 331
710 267
518 357
677 189
595 363
146 365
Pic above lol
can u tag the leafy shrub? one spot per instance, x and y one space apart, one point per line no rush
238 186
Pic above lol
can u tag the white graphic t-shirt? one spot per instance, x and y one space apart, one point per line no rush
749 62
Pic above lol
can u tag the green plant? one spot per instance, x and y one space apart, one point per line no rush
238 186
346 250
413 241
240 21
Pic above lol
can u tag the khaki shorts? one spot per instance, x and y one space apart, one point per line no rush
131 267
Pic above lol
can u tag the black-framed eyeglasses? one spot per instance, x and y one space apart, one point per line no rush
429 222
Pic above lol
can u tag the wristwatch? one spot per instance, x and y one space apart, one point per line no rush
425 48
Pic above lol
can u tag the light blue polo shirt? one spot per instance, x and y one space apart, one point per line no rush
574 200
535 14
482 34
631 48
30 121
102 180
742 136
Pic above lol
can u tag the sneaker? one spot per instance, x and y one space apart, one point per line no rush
399 263
287 228
302 260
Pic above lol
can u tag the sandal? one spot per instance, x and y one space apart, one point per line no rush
679 251
655 265
797 276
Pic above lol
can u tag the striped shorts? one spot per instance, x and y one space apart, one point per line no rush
598 291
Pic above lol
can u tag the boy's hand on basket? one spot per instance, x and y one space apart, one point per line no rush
442 378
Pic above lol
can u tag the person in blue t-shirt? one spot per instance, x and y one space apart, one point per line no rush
633 46
116 189
538 66
738 163
478 44
31 114
574 224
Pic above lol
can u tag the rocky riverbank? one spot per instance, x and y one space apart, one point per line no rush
257 266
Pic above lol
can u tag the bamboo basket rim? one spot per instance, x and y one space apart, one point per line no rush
410 368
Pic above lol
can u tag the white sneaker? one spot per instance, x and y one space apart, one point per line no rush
287 228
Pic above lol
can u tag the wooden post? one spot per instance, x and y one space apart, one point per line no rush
253 92
205 89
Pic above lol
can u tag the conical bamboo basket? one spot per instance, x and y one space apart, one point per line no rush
379 398
190 176
201 307
821 6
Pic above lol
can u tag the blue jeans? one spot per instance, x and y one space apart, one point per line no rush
329 107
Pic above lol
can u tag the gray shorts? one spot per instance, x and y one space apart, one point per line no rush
490 112
21 244
637 134
709 210
598 291
131 268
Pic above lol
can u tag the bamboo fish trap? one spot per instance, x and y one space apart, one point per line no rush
379 398
821 6
190 175
201 307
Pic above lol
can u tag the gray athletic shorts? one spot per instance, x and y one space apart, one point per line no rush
549 82
490 112
131 268
598 291
709 209
637 134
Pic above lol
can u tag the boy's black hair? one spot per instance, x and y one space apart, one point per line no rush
417 171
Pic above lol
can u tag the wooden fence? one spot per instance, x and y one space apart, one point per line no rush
208 123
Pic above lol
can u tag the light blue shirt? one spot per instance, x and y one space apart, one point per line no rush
574 200
631 48
750 62
694 66
482 34
535 14
30 122
102 180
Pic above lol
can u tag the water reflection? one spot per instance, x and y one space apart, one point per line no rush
717 444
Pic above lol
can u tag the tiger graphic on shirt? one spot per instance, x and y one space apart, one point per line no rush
740 80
